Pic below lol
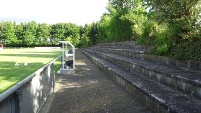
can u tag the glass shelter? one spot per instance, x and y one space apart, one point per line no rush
68 58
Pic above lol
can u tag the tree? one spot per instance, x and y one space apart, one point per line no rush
126 19
43 34
84 39
57 32
9 34
182 15
105 28
72 31
93 33
2 27
19 32
29 37
126 6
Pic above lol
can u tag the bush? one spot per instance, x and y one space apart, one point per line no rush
147 34
160 36
134 25
187 51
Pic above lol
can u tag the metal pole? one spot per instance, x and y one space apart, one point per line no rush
19 101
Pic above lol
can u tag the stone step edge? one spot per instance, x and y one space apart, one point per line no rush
123 52
155 103
125 46
191 87
119 43
190 65
137 51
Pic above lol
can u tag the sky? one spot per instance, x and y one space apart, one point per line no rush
80 12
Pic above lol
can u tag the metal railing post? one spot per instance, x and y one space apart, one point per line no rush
18 104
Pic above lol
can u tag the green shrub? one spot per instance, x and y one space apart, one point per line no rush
187 51
146 37
134 24
160 36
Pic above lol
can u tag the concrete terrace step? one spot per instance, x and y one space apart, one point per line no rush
181 80
159 98
126 47
123 45
141 54
132 53
118 43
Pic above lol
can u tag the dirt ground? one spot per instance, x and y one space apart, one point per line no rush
90 90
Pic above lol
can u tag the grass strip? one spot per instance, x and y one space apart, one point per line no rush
11 74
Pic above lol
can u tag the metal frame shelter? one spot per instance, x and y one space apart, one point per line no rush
68 58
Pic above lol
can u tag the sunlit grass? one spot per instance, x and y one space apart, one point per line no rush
11 74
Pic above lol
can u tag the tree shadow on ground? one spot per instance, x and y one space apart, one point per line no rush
90 90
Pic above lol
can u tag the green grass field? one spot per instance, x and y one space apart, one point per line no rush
11 74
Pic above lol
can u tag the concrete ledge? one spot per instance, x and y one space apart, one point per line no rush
159 98
123 45
140 53
186 65
118 43
124 52
185 81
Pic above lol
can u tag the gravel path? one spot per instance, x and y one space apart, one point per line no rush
90 90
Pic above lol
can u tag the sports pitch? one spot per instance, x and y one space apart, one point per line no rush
10 73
